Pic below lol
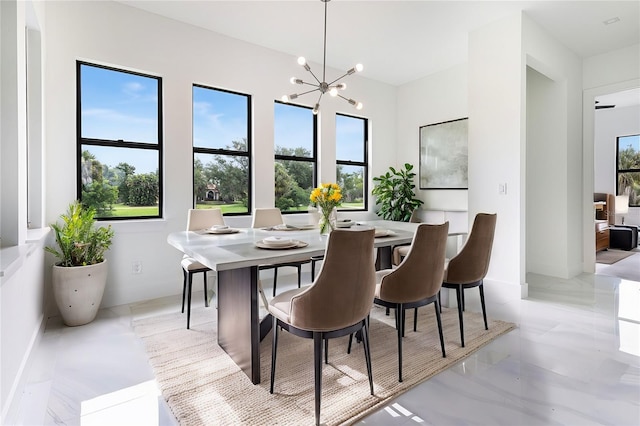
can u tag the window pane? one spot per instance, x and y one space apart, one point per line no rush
293 130
118 105
293 184
350 138
629 152
351 180
219 119
221 181
120 182
629 183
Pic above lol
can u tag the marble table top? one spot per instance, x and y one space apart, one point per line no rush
238 250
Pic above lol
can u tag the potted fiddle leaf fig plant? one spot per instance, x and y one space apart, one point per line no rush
80 274
395 194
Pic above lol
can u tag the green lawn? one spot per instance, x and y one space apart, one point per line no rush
121 210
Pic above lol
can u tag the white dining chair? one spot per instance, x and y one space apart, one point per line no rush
197 219
267 218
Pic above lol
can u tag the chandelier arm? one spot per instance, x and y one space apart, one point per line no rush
308 91
314 76
338 79
309 84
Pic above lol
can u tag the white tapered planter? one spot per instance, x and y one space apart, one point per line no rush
78 291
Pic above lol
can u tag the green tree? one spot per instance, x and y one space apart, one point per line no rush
284 184
96 192
143 189
101 196
127 170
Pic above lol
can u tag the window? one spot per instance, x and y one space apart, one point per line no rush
628 168
119 142
351 160
295 139
221 147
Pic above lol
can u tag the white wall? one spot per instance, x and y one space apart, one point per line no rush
609 124
611 72
563 173
496 99
499 54
433 99
113 34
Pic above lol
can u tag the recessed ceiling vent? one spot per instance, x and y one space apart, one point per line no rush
604 106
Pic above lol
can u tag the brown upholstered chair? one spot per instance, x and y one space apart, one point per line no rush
197 219
266 218
336 304
469 267
416 281
400 251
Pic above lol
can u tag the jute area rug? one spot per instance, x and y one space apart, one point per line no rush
203 386
610 257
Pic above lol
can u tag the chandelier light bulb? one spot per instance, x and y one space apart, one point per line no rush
284 98
302 60
295 80
359 67
359 106
333 91
316 108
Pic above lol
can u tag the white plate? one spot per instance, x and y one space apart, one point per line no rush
383 233
221 231
277 241
293 244
345 223
291 227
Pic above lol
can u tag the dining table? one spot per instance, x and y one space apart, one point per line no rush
235 255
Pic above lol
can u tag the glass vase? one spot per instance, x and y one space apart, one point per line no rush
328 220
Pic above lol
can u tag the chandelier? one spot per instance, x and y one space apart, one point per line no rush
322 86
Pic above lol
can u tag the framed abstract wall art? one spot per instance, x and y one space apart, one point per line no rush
444 155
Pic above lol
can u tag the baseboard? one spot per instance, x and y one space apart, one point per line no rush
12 404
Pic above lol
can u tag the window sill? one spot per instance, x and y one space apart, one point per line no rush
12 258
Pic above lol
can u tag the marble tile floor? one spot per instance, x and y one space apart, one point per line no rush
573 360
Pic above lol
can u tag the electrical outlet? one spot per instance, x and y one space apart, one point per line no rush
136 267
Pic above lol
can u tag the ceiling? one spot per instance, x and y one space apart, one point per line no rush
399 41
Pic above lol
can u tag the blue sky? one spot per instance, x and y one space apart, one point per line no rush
119 105
634 141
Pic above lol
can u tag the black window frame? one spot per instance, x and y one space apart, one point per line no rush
313 159
118 143
364 163
620 171
227 152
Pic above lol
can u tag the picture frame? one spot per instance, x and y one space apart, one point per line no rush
444 155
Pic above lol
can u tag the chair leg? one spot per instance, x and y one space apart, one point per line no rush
440 299
415 319
459 296
326 351
275 280
317 361
463 301
206 299
190 285
403 312
184 287
439 320
350 342
313 270
484 311
400 323
367 352
299 275
274 350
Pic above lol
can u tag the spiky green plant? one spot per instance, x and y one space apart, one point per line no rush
80 242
